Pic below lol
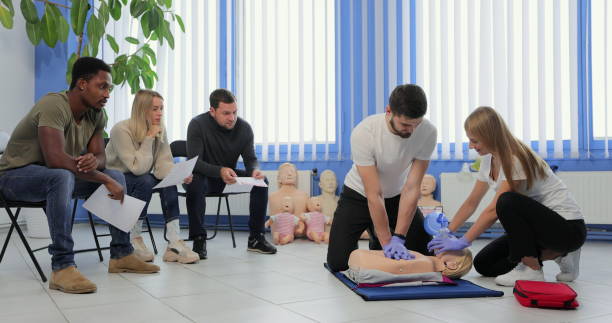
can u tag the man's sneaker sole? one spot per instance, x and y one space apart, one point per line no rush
261 251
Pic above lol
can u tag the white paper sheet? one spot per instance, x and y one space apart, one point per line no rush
179 172
122 216
244 185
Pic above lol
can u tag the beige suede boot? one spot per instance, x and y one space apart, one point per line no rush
131 264
70 280
178 251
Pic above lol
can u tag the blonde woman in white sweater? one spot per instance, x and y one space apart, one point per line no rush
139 148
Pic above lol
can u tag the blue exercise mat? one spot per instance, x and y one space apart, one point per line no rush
463 289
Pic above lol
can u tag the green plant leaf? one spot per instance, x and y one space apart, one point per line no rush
28 9
132 40
34 34
149 52
147 80
104 12
180 22
94 31
9 5
5 18
168 34
144 24
49 28
138 7
168 4
124 2
115 9
69 66
113 43
64 29
78 15
154 18
86 50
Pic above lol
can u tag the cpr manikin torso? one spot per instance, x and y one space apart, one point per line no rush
316 221
287 187
283 224
329 200
370 264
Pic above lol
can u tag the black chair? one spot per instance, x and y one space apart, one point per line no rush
7 205
179 149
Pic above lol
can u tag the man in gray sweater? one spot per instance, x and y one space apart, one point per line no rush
219 138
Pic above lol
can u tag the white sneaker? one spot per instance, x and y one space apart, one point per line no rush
520 272
178 251
569 265
141 251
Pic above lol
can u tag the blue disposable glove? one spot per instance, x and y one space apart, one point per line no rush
395 249
447 243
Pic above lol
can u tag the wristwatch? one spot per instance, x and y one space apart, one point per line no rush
401 236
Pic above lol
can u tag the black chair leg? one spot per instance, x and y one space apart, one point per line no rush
216 220
8 235
151 234
93 230
229 218
26 245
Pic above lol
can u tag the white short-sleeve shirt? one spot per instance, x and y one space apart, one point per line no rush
373 144
550 191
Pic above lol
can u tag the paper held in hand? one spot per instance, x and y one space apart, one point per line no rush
244 185
122 216
179 172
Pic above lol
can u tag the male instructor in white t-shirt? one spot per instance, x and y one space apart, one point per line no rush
390 155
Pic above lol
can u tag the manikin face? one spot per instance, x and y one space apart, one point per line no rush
451 259
154 115
476 144
428 185
314 204
400 125
287 175
226 114
328 183
96 91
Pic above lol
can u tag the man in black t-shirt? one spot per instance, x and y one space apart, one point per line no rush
219 138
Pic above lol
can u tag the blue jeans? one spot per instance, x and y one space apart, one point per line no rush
57 186
141 187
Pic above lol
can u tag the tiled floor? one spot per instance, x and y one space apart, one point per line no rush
234 285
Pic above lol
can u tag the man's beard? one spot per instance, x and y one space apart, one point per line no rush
403 135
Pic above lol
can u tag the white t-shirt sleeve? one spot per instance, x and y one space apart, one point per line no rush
485 169
362 147
428 146
517 171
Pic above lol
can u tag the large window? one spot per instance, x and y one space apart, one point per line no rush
286 74
601 60
517 56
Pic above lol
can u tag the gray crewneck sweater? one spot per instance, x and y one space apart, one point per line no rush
219 147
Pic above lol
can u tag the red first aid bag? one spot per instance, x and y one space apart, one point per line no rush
544 294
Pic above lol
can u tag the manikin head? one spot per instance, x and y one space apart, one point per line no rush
314 204
328 182
91 79
287 204
287 175
457 263
223 108
428 185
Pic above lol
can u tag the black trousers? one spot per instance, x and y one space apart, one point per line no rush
352 217
530 228
196 203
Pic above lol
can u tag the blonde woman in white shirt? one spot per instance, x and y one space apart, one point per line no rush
541 218
138 147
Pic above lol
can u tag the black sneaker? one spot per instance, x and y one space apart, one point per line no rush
259 244
199 246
